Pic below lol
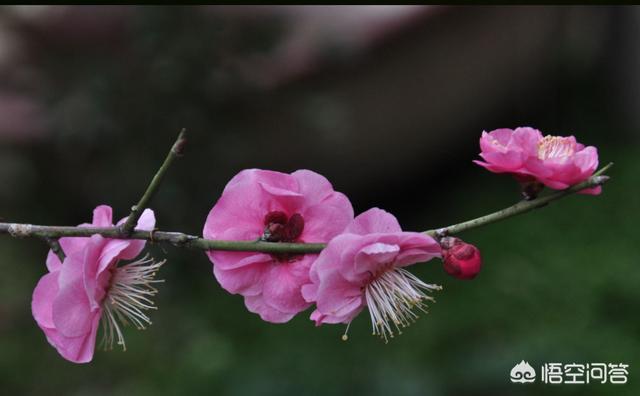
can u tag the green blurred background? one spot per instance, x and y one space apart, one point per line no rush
388 103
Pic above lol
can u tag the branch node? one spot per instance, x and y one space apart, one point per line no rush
151 235
598 180
441 233
181 142
20 230
183 239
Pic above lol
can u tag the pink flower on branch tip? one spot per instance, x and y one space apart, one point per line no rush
461 260
364 267
275 207
555 161
90 287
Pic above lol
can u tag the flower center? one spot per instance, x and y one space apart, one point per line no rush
128 296
391 297
280 228
496 143
555 147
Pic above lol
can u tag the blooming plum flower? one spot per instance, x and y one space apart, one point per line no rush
561 162
507 151
364 267
300 207
554 161
90 288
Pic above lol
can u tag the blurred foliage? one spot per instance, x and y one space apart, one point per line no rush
559 284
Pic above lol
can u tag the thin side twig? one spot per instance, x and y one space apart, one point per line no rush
54 244
136 210
521 207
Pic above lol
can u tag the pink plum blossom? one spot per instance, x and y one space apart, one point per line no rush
71 300
276 207
561 162
555 161
364 267
507 151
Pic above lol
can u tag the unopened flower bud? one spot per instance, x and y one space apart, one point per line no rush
461 260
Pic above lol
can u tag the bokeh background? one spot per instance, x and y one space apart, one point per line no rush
388 102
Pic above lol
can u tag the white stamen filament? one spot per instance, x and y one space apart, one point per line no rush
554 147
391 298
127 298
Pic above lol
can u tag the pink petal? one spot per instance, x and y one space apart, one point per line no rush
275 179
280 192
339 299
257 305
375 257
42 299
491 167
234 260
557 185
339 255
526 139
54 337
502 135
317 317
591 191
289 201
587 161
279 188
103 216
247 280
241 206
246 175
281 289
92 270
72 269
147 222
309 292
487 144
416 255
81 349
111 253
69 246
53 262
417 248
313 186
71 312
327 219
346 312
373 220
537 168
511 160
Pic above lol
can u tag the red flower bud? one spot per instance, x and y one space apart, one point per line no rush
461 260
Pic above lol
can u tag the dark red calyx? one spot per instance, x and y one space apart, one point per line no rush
275 217
280 228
